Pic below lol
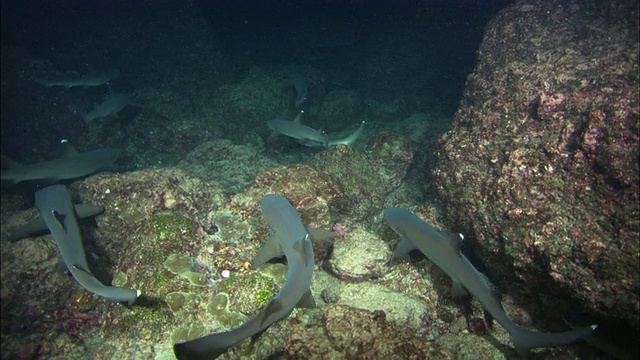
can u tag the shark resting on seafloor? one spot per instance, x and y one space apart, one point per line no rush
308 136
444 251
59 214
71 165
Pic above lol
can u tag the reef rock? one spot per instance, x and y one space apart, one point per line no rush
540 166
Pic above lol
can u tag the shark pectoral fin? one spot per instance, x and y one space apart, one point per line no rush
404 247
274 306
268 251
272 135
87 210
306 301
457 290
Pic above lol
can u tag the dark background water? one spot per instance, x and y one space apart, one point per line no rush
417 51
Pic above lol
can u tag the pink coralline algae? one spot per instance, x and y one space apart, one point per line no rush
540 167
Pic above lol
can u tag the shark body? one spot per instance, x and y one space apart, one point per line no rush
444 251
56 209
308 136
37 224
299 82
70 166
79 80
290 237
110 106
295 129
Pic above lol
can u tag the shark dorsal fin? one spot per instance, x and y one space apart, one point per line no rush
454 240
298 119
67 149
59 218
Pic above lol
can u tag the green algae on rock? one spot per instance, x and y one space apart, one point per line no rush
367 176
182 265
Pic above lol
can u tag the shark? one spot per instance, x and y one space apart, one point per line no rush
308 136
110 106
299 82
348 140
71 165
79 80
290 237
37 224
444 251
56 209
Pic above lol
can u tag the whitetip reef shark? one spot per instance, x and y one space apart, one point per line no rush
110 106
444 251
56 209
308 136
37 224
71 165
299 82
79 80
290 237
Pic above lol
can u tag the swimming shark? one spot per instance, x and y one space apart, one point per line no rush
444 251
348 140
37 224
296 130
290 237
70 166
308 136
56 209
83 80
299 82
110 106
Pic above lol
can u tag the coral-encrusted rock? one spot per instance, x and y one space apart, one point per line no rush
359 256
347 333
366 176
541 164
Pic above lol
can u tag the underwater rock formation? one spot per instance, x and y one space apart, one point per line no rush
540 167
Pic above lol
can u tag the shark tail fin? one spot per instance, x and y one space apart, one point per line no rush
525 340
9 163
10 170
203 348
349 139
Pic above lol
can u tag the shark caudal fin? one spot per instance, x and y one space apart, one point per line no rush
10 169
524 340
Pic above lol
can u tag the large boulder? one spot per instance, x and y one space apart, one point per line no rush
540 166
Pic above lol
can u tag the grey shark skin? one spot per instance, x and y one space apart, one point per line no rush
444 251
296 130
342 141
299 82
79 80
110 106
37 224
71 165
289 236
55 207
